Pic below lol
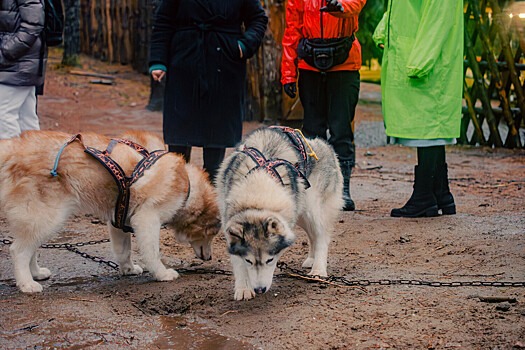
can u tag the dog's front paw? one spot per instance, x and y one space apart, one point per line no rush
309 262
167 275
243 294
131 270
41 274
318 272
30 287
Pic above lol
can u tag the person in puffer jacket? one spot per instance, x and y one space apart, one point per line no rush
329 96
23 58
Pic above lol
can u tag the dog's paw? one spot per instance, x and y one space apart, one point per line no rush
30 287
318 272
243 294
167 275
41 274
131 270
309 262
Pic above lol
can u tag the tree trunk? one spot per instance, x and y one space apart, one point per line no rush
71 33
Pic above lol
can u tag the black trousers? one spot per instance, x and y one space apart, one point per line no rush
329 101
212 157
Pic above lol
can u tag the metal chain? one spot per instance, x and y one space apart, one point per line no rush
291 272
96 259
342 281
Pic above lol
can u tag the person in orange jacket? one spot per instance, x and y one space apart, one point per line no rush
317 57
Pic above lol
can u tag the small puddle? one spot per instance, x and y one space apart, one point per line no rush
179 333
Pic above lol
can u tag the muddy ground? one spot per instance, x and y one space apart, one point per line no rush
86 304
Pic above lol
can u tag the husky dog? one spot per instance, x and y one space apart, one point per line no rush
37 204
274 180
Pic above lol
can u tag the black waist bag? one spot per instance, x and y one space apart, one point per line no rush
324 54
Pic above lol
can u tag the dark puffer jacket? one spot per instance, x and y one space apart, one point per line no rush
22 57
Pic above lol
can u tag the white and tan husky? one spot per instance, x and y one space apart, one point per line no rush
37 204
274 180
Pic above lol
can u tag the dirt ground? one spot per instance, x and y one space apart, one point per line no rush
88 305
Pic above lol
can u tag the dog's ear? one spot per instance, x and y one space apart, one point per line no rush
235 232
237 244
273 226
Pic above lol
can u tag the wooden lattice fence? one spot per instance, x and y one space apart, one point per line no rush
494 76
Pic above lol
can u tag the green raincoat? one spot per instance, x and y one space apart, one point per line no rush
422 69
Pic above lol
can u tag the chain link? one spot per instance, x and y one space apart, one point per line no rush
342 281
289 272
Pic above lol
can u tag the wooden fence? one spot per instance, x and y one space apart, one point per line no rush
494 76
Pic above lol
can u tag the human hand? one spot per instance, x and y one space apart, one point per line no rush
158 75
240 51
381 46
290 89
332 6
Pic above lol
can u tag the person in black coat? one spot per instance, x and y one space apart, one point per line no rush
201 46
23 57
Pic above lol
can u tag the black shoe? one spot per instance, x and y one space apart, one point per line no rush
422 202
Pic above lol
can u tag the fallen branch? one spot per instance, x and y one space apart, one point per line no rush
91 74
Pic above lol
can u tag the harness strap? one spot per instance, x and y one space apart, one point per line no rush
145 164
123 184
59 154
271 165
140 149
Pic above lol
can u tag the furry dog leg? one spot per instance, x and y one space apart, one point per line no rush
121 244
243 289
38 273
22 253
147 231
319 241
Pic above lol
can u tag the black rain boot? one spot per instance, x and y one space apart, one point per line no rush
444 198
346 170
422 202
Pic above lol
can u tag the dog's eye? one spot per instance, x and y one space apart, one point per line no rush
248 261
269 260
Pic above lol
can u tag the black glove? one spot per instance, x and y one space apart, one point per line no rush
332 6
290 89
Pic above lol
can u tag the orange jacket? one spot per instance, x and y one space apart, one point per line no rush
303 21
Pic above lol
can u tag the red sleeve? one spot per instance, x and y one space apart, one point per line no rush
291 37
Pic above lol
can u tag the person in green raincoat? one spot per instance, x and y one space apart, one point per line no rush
422 84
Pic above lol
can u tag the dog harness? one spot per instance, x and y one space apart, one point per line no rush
299 143
271 165
123 182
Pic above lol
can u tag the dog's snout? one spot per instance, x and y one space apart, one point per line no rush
260 290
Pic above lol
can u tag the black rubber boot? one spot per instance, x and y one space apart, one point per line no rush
422 202
445 200
346 170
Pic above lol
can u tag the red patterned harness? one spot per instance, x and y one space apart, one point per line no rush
123 182
270 165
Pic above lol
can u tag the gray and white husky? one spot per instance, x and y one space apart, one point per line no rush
274 180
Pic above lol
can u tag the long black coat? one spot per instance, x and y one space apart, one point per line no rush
197 40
